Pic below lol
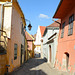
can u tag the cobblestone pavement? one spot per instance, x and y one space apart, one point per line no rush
37 66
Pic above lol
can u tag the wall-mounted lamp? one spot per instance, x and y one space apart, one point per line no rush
29 26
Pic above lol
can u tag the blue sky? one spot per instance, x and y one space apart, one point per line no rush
39 12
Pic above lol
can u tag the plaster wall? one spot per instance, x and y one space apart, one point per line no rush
66 44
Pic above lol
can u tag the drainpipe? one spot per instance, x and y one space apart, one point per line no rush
2 14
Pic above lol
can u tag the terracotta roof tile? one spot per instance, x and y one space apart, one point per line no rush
42 29
27 36
55 24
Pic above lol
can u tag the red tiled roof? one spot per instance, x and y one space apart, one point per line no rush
42 29
55 24
27 36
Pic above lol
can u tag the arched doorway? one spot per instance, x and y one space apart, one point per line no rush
67 60
50 52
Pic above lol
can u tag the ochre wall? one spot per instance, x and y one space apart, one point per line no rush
33 49
26 53
13 27
16 38
3 63
0 14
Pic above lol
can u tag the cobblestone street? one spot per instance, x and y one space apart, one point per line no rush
37 66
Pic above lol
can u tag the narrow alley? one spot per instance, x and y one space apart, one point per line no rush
37 37
36 66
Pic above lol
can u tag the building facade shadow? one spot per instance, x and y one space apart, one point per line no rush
30 68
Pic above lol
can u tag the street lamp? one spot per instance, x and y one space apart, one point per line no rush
29 26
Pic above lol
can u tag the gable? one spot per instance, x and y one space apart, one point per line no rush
42 29
28 36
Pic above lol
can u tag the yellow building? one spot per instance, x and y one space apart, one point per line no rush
26 52
12 36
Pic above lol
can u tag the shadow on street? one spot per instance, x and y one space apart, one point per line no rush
30 68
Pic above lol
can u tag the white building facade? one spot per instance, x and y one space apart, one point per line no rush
37 43
50 42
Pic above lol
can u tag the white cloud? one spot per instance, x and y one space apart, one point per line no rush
44 16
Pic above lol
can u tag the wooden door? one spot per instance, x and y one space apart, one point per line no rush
67 60
21 54
50 52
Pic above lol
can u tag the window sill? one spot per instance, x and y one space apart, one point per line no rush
70 34
62 37
15 58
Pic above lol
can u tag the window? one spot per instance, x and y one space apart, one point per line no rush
22 29
22 49
15 51
70 30
62 32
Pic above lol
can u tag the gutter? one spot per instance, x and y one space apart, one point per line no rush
58 7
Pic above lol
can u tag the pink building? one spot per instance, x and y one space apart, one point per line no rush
65 59
30 45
